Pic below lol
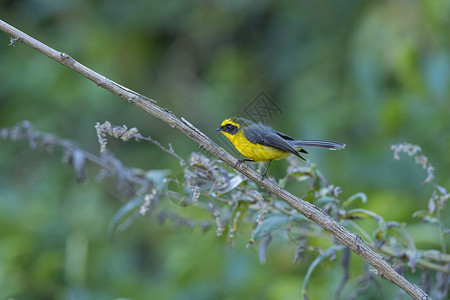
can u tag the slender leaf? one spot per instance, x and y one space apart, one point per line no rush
124 216
239 213
263 248
270 224
179 199
159 179
441 189
300 250
363 213
431 220
232 184
79 165
354 197
380 232
391 224
324 200
431 205
330 252
421 213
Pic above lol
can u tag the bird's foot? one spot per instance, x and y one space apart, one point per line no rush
241 161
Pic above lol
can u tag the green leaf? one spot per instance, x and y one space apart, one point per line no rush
268 225
421 213
352 198
179 199
330 252
300 176
79 165
238 214
359 212
232 184
324 200
441 190
299 171
124 216
158 177
431 220
380 232
263 248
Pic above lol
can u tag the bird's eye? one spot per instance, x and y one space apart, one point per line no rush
229 128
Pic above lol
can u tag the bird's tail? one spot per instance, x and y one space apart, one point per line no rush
316 144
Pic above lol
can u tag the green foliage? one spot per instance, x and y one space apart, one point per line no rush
235 203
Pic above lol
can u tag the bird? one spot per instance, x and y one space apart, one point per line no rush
259 142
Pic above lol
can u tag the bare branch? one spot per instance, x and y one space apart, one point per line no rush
126 134
77 157
310 211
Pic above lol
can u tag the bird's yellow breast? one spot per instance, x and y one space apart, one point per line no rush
255 152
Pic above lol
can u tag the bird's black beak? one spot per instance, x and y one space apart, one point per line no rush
218 129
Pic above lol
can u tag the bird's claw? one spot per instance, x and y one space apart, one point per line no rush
240 161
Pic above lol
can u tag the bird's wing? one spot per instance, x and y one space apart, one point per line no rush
263 135
283 135
290 141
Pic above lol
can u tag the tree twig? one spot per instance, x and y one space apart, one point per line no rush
126 134
312 212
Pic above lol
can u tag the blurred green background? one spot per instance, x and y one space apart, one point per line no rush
366 73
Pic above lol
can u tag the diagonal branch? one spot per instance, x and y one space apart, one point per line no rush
312 212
